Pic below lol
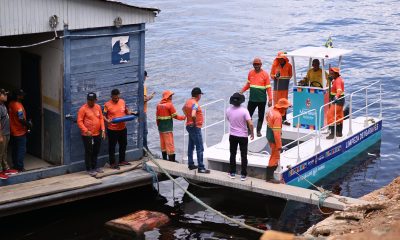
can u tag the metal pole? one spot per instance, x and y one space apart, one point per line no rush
205 126
316 131
351 116
366 108
380 100
298 141
184 152
224 117
335 122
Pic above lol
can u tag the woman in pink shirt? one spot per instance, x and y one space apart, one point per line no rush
239 120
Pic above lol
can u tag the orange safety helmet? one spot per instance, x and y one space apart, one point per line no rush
257 61
283 103
335 69
166 94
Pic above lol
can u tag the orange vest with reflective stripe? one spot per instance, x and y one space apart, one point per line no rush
337 84
285 75
274 126
191 104
164 114
259 84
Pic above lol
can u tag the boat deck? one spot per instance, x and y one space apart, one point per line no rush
255 185
258 156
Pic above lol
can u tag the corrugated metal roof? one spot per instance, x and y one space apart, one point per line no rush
19 17
126 3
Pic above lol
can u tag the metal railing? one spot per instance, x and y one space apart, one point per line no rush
205 126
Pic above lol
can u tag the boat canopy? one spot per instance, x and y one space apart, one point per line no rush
318 52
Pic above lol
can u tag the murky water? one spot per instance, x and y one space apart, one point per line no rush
211 44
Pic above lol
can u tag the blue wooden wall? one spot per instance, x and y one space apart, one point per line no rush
88 68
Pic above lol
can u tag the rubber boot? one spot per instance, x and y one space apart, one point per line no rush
270 175
171 157
164 155
332 132
339 129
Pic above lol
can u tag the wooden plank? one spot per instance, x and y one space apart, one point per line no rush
255 185
46 186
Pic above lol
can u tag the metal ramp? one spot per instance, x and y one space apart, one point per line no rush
256 185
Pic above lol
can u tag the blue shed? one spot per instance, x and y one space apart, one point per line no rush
58 51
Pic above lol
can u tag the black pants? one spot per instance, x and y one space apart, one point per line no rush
233 143
251 106
92 148
114 137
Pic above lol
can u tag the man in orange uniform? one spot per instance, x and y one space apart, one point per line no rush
19 127
274 130
281 72
116 132
259 84
336 95
91 123
164 114
194 122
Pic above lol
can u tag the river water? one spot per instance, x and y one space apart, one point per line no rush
211 44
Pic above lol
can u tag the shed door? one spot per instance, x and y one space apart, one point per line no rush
93 69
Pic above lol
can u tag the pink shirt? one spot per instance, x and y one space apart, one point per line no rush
237 118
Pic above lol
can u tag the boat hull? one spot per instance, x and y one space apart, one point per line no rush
325 162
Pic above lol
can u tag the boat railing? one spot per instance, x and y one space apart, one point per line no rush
351 112
299 138
204 107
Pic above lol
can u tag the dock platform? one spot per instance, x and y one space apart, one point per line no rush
66 188
256 185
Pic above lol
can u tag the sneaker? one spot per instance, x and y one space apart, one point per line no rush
273 180
124 163
3 176
243 178
99 170
114 166
203 171
192 167
259 134
92 173
10 172
232 175
286 123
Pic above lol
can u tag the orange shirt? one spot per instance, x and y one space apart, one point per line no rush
113 110
274 126
191 104
16 111
337 88
259 84
90 119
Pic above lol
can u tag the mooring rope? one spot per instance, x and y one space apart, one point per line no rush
196 199
324 193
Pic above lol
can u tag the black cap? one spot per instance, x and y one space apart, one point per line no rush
115 92
91 96
196 91
237 99
19 92
3 91
145 73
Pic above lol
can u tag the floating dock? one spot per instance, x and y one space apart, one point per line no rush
256 185
52 191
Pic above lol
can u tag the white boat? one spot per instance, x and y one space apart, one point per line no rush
310 156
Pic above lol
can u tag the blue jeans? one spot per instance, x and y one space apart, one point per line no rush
145 131
195 139
18 151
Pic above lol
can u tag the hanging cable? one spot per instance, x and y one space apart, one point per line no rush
151 158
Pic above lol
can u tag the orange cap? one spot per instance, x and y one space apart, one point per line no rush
257 61
283 103
334 69
166 94
281 54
